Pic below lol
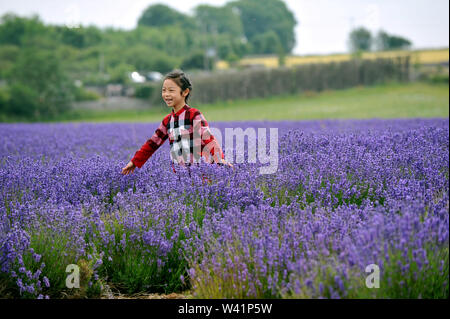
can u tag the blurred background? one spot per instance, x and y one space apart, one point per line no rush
98 60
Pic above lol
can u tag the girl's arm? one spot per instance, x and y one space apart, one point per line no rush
150 147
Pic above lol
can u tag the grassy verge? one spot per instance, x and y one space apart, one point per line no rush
394 100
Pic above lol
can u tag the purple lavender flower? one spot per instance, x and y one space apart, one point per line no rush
46 282
346 194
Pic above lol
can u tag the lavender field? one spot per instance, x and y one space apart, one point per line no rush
347 194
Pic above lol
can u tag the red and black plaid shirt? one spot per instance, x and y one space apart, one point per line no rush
180 128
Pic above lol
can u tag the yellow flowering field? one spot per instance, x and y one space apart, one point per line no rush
418 56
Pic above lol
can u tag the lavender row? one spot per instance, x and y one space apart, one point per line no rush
347 194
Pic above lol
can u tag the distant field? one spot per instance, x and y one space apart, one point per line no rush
420 56
385 101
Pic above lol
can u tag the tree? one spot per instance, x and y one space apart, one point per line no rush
119 73
39 79
360 40
218 20
281 56
229 45
145 58
13 28
8 55
79 37
261 16
160 15
163 63
384 42
266 43
197 60
224 49
232 59
4 100
24 102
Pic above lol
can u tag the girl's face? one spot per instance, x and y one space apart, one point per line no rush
172 95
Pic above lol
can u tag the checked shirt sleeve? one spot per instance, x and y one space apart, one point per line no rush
210 148
150 147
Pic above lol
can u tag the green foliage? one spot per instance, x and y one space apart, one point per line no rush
133 266
56 251
4 99
384 42
144 91
266 43
438 79
39 85
14 29
281 57
147 36
357 55
197 60
227 46
79 37
163 40
160 15
261 16
34 68
8 55
119 73
224 50
84 95
232 58
167 40
23 102
145 58
360 39
219 20
428 281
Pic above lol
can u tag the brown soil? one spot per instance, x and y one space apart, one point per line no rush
149 296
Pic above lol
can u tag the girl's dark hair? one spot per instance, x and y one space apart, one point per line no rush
180 78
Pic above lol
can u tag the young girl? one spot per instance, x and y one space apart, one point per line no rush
186 128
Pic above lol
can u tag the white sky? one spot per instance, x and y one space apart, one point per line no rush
323 25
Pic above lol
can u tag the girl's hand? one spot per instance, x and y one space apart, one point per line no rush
128 169
226 163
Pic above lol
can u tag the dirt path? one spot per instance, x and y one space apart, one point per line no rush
109 294
148 296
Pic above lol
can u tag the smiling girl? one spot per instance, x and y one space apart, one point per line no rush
185 127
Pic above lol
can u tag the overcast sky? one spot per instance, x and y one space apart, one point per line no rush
323 25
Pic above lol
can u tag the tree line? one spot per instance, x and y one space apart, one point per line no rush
44 67
162 40
41 64
361 39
